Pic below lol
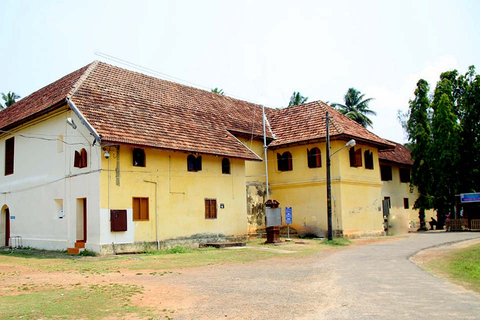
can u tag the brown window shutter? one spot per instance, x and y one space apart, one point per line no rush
207 209
78 160
352 157
358 158
136 209
199 163
83 158
9 155
144 208
213 209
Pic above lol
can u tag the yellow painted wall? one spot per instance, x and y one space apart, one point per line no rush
356 192
181 194
402 220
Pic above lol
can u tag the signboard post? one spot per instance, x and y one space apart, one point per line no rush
288 221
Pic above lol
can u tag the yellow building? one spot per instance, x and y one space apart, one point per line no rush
400 196
117 161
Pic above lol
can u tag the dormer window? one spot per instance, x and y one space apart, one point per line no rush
138 157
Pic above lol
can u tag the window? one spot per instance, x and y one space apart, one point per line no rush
386 172
210 208
368 159
138 157
194 164
314 158
404 175
9 155
80 159
140 209
355 157
405 203
284 161
225 166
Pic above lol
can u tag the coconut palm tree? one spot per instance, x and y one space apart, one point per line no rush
356 107
297 99
10 98
219 91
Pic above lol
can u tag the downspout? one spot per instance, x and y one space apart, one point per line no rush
156 212
265 152
84 121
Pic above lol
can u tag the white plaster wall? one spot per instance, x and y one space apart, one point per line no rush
44 177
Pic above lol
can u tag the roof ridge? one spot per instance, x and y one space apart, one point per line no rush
335 124
80 80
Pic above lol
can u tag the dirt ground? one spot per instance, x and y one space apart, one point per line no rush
200 293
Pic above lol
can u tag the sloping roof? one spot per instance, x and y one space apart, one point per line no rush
306 122
399 155
41 101
128 107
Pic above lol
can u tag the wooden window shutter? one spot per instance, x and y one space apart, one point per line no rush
352 157
9 155
279 162
210 209
78 160
358 158
198 163
191 163
83 158
140 209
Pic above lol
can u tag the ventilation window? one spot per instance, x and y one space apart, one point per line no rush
138 157
284 161
194 164
314 158
210 208
368 159
9 155
225 166
355 157
80 159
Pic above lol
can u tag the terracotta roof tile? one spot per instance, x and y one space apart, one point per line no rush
130 107
399 155
306 122
40 101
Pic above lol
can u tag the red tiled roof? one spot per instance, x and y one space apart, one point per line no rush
130 107
399 155
306 122
41 101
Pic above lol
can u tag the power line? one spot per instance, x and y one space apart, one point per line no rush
39 137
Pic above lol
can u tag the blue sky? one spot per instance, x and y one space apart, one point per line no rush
259 51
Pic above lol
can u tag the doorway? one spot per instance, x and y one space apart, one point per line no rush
5 227
82 219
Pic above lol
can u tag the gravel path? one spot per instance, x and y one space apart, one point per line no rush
376 281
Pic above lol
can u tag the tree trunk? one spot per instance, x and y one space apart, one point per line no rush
421 216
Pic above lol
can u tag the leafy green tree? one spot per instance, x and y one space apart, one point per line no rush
444 152
297 99
356 107
10 98
219 91
420 139
469 150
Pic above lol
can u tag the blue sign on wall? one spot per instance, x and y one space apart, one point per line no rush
470 197
288 215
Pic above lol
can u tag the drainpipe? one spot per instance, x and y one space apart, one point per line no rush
265 152
156 211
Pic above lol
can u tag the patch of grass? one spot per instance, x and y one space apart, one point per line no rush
92 302
461 266
337 242
87 253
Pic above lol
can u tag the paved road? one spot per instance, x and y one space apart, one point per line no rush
380 282
375 281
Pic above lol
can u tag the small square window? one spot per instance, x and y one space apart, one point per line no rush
386 173
140 209
138 157
404 175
